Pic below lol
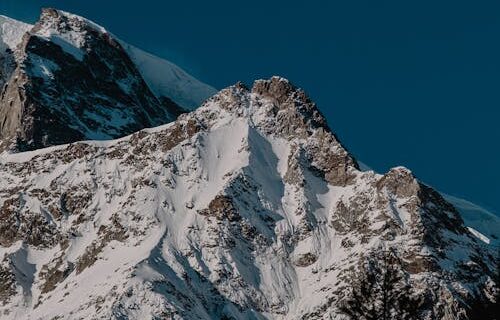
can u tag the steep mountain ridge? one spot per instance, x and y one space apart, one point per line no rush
483 224
73 81
11 32
247 208
168 81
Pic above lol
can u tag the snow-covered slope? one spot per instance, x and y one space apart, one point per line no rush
247 208
166 79
11 33
485 223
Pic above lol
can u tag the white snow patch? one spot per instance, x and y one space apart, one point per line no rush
11 33
166 79
479 235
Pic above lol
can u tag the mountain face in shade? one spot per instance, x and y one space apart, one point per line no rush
68 79
246 208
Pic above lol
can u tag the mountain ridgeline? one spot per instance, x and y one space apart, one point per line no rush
247 207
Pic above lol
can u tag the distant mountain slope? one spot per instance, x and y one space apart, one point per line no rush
480 219
166 79
71 80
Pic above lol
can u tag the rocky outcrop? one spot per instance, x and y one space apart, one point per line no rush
19 223
221 208
11 33
280 109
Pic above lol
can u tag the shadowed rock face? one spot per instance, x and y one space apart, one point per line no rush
7 65
74 81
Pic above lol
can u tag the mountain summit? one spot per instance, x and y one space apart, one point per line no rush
247 208
68 79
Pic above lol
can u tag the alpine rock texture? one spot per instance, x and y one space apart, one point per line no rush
67 79
248 207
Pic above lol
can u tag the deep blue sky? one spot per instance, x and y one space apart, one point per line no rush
413 83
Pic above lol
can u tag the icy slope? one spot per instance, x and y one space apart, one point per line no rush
247 208
479 219
166 79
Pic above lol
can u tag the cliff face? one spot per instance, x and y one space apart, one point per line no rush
71 80
11 33
247 208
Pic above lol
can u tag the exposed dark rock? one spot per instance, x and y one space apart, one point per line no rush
305 260
114 231
60 93
54 273
400 182
7 283
17 223
180 131
75 200
294 174
349 219
295 113
222 208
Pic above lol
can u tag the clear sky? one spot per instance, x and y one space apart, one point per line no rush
413 83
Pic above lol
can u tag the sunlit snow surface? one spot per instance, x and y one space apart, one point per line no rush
11 33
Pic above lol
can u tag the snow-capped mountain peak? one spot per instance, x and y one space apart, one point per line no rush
482 223
81 82
164 78
11 34
248 207
70 32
